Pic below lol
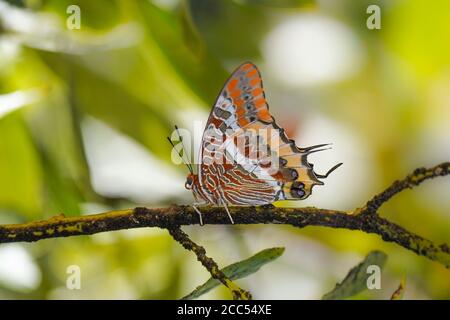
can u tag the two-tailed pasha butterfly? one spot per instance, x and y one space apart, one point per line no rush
245 157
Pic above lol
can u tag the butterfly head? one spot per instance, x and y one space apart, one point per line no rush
191 179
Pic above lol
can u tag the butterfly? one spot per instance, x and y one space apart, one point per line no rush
245 157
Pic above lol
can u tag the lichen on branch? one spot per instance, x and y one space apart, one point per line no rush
181 237
364 219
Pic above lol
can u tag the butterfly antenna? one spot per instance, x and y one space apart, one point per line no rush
184 148
304 150
318 150
179 154
329 171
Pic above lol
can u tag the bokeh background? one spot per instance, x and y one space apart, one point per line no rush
84 116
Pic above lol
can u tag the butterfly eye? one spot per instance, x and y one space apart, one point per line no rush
188 184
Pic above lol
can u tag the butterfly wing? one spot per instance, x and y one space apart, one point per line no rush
245 157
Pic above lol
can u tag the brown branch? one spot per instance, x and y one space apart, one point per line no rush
175 216
180 236
414 179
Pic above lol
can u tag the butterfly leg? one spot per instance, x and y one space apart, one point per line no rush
228 211
199 213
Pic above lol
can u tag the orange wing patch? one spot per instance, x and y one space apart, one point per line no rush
247 94
232 84
253 72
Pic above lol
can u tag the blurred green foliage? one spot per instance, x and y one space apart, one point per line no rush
239 270
141 66
357 278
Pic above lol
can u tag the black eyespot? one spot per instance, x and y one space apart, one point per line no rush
300 192
297 190
294 174
298 185
283 161
252 119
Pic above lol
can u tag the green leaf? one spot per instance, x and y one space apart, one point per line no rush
239 270
279 3
356 279
182 55
191 35
20 170
230 30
